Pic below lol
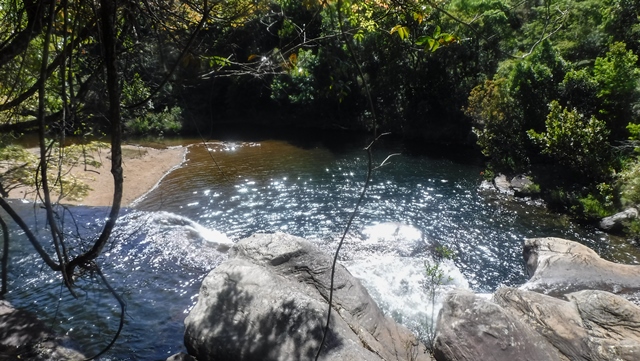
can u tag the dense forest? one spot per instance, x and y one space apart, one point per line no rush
547 88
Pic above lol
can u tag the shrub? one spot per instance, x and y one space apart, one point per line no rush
169 121
578 143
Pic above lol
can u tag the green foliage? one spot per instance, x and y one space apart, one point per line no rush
506 108
306 81
436 278
434 41
598 205
634 135
498 127
629 180
574 141
579 91
618 79
633 229
169 121
134 90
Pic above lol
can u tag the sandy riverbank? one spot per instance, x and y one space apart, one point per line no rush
143 168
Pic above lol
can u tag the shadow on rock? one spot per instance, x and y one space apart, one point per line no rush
268 301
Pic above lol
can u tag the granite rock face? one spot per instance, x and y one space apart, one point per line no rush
472 328
523 325
268 301
558 266
615 223
566 311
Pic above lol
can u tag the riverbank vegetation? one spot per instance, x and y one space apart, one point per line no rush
547 88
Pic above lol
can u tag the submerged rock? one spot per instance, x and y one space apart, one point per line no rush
268 301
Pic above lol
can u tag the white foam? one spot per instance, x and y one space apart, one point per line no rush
401 288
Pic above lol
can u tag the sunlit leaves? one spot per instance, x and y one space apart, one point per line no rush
437 39
574 140
402 31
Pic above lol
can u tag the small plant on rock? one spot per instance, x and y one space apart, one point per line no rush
436 278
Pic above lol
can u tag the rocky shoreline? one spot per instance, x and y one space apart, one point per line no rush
266 303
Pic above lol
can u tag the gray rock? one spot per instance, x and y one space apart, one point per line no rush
24 336
268 301
556 320
524 325
612 322
181 357
522 185
471 328
591 325
502 184
616 222
558 266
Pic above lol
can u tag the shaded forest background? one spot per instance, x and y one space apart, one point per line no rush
550 89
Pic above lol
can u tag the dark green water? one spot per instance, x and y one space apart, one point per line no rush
227 191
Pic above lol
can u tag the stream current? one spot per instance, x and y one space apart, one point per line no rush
170 239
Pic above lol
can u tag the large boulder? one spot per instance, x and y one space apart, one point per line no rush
589 325
564 312
523 325
616 222
559 266
471 328
268 301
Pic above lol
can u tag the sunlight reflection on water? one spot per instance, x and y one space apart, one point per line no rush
227 191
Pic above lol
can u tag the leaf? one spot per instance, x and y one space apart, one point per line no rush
418 17
403 31
359 36
423 39
252 57
433 45
293 59
449 38
436 33
219 60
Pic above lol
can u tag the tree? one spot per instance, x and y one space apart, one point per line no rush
618 79
576 142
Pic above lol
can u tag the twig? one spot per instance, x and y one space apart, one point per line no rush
5 256
123 307
370 169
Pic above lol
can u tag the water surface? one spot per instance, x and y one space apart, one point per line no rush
226 191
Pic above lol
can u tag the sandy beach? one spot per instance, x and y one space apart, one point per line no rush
143 168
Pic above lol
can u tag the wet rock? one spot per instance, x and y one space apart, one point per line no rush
523 186
502 184
519 186
268 301
558 266
615 223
